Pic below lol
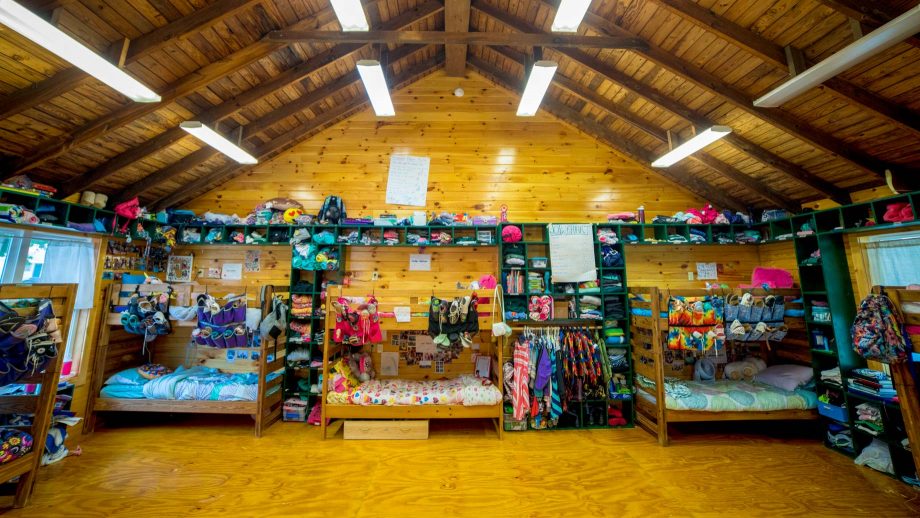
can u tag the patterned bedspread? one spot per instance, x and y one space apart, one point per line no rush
728 396
463 390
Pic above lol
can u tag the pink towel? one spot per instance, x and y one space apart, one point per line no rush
520 396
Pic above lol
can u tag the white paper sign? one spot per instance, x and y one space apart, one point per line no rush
420 262
571 252
707 271
403 313
232 271
389 364
407 183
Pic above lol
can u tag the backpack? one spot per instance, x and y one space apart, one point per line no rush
128 210
332 212
877 332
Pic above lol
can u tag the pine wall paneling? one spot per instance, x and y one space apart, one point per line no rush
482 156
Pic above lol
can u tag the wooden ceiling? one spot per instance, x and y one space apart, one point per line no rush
698 63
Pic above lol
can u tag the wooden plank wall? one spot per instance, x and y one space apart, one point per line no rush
666 266
482 156
780 255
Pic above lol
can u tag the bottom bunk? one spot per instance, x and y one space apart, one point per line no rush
694 379
420 379
242 379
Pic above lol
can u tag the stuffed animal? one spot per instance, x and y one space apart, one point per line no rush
291 215
362 365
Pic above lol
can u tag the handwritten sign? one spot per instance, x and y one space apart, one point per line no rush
407 183
571 251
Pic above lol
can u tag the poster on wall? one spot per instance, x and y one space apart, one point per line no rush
707 271
571 252
179 268
253 261
407 182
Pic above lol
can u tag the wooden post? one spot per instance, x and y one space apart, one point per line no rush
906 387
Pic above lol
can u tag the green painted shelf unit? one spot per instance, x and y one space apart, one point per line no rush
621 298
535 244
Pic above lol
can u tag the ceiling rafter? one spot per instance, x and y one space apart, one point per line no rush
456 19
749 183
780 164
714 86
773 53
448 38
678 175
868 13
231 106
185 86
69 78
295 136
254 128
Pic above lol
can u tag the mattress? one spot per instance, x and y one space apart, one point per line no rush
463 390
195 384
729 396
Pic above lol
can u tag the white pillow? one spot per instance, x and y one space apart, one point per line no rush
786 377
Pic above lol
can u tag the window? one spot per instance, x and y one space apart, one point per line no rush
894 259
27 256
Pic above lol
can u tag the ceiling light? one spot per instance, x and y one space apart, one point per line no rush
351 15
376 85
860 50
692 146
22 20
218 142
541 75
569 15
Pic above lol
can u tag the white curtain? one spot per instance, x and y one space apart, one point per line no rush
894 262
72 261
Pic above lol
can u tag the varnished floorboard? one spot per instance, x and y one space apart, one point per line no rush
214 467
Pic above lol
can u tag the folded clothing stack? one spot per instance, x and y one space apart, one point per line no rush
618 360
832 376
535 282
871 382
611 282
840 436
869 419
614 308
589 306
614 336
607 236
622 217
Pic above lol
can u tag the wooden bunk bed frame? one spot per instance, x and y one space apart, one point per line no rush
117 350
388 301
42 404
648 339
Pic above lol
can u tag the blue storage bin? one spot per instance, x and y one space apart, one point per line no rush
837 413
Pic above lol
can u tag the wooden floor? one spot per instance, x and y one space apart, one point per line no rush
216 468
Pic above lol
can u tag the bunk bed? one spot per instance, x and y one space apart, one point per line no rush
656 374
412 378
41 405
118 351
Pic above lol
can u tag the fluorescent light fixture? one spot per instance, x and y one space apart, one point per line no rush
569 15
218 142
541 75
691 146
351 15
887 35
22 20
376 85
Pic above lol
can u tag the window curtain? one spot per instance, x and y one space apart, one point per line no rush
72 261
894 262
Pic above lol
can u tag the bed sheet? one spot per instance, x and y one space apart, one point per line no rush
463 390
197 383
728 396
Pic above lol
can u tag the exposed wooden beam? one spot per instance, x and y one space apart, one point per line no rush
220 112
782 165
456 19
774 54
677 175
68 79
254 128
464 38
749 183
185 86
284 142
714 85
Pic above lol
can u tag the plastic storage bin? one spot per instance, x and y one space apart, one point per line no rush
538 262
837 413
295 410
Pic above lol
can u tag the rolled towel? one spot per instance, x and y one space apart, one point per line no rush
748 369
733 371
